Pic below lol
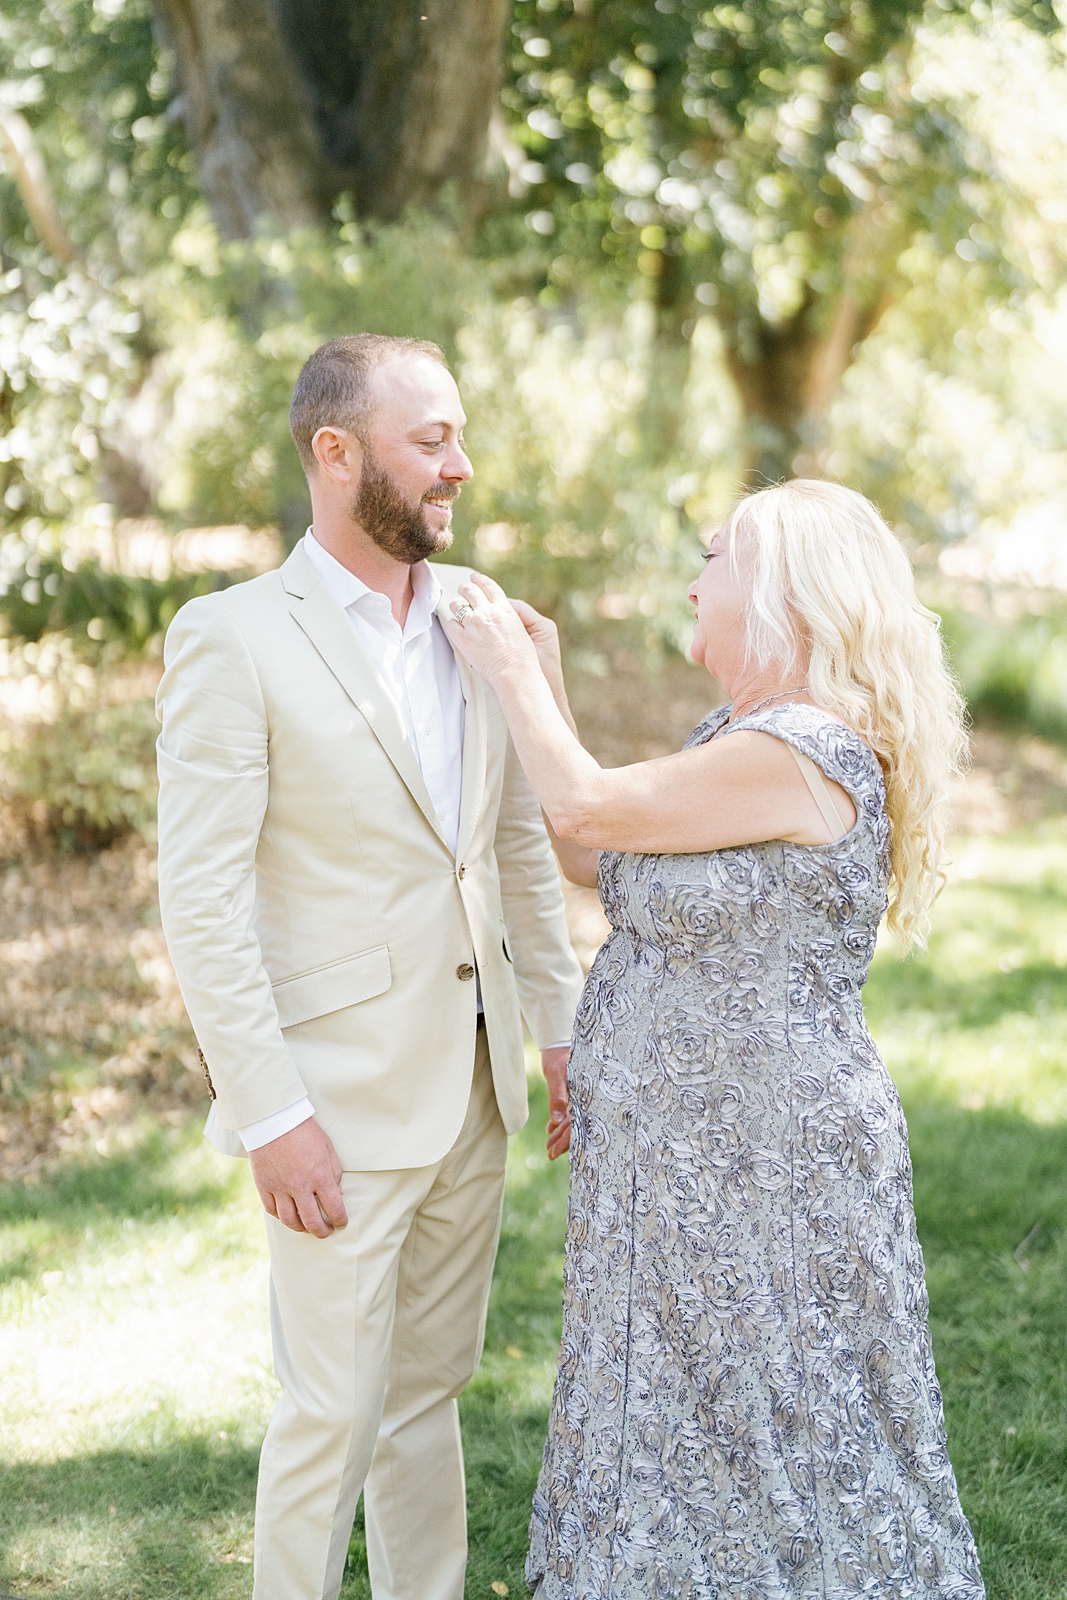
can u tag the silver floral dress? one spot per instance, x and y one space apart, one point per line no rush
746 1406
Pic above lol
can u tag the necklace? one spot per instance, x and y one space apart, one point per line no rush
800 688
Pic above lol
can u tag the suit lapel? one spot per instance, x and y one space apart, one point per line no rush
475 725
324 622
474 755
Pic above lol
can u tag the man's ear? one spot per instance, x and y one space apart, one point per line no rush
338 454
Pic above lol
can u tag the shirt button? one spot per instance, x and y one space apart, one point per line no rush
461 871
465 972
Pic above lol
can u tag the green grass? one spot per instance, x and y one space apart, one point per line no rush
134 1369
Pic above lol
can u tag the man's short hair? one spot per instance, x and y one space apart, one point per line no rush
333 389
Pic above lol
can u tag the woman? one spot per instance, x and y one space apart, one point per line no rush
746 1406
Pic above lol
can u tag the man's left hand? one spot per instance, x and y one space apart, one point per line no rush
554 1066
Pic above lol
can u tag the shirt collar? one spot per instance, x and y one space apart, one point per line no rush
349 590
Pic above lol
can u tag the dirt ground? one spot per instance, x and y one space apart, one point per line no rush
93 1035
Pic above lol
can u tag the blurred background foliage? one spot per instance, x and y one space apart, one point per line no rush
673 249
681 249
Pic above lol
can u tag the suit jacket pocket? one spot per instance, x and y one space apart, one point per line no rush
332 987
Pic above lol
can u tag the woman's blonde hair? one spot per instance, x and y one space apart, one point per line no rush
830 580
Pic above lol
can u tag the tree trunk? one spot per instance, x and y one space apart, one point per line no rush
289 103
787 376
788 373
400 91
770 364
244 115
663 412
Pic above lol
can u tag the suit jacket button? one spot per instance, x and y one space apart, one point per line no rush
461 871
465 972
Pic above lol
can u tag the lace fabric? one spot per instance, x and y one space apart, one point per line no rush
746 1405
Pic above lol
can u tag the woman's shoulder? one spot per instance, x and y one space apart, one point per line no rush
707 727
841 753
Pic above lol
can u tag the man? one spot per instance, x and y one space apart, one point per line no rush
358 894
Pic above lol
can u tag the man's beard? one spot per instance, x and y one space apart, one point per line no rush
396 526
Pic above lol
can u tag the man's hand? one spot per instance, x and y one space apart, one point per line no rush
299 1180
554 1066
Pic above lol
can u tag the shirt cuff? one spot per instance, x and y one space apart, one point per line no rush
260 1133
561 1044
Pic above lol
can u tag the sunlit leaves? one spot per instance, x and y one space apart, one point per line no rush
91 82
752 136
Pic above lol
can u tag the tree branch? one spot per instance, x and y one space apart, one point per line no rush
28 171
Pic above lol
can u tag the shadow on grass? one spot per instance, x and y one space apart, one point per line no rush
912 985
991 1202
134 1522
45 1219
142 1183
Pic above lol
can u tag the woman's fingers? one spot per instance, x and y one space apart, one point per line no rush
488 586
535 624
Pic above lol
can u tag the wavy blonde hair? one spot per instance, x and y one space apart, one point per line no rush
831 582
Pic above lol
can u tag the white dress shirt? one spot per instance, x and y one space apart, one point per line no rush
419 671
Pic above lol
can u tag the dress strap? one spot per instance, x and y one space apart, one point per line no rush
820 793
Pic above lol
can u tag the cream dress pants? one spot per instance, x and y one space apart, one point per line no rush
376 1330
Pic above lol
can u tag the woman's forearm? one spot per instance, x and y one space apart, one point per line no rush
579 863
565 778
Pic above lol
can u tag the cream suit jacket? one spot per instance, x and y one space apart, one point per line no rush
322 932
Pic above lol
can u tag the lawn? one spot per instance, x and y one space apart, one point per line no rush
136 1377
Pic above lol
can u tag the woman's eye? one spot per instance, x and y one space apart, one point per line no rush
708 555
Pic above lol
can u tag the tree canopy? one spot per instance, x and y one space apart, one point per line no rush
774 162
669 246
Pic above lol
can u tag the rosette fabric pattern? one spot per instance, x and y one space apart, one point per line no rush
746 1406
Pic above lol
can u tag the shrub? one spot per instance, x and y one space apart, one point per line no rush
85 778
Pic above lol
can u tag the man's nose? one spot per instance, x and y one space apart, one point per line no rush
457 468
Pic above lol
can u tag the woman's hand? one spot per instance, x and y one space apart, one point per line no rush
544 636
487 632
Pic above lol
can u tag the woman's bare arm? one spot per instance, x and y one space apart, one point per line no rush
740 789
578 862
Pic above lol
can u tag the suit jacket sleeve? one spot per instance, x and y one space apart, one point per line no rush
212 799
547 972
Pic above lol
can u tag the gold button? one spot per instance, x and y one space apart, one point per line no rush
465 972
461 871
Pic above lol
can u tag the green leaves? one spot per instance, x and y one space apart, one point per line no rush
764 159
